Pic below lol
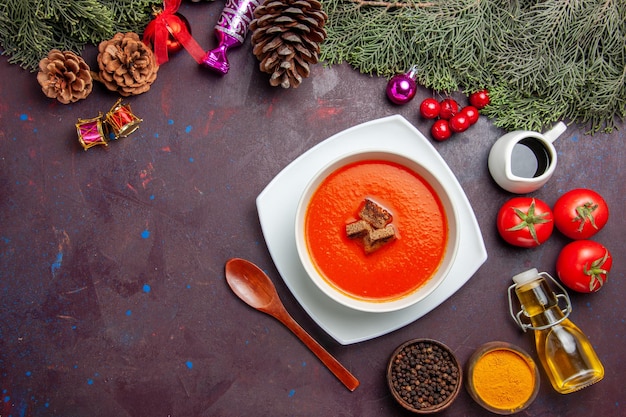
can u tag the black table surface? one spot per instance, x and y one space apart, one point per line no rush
114 300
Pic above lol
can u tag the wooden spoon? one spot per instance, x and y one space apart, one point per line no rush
255 288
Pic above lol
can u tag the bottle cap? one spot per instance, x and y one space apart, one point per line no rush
526 276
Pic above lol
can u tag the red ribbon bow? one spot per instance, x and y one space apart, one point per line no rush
159 29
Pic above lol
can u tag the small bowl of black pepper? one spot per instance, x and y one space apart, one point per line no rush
424 376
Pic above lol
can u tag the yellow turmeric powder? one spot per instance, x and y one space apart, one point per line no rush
503 379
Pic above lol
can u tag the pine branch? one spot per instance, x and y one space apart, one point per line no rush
542 61
131 15
30 29
22 32
389 5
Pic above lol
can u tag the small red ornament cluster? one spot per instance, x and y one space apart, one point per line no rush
450 117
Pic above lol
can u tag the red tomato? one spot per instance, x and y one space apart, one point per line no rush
472 113
441 130
459 122
584 265
480 99
580 213
429 109
449 107
525 222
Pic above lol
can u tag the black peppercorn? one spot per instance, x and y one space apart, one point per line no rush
423 375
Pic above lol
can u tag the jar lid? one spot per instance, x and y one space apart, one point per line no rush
526 276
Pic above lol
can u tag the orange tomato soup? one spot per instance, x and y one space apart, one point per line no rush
400 266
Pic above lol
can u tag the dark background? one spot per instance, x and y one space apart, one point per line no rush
114 301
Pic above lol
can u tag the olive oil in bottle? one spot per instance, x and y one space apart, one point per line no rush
566 354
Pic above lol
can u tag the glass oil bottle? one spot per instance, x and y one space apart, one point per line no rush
566 354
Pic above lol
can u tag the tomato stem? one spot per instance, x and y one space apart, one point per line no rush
529 219
584 213
596 271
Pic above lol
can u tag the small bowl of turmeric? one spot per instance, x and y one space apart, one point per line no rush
502 378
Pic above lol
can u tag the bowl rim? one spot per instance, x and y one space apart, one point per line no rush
376 306
439 407
492 347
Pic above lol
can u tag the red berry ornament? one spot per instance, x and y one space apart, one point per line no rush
429 109
441 130
459 122
479 99
471 113
449 107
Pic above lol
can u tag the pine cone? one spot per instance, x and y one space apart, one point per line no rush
127 65
64 76
286 38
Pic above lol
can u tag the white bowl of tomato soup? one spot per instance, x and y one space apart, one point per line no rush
376 231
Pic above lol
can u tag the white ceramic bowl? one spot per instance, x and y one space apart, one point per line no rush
377 306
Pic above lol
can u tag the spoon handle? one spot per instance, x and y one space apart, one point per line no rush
327 359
